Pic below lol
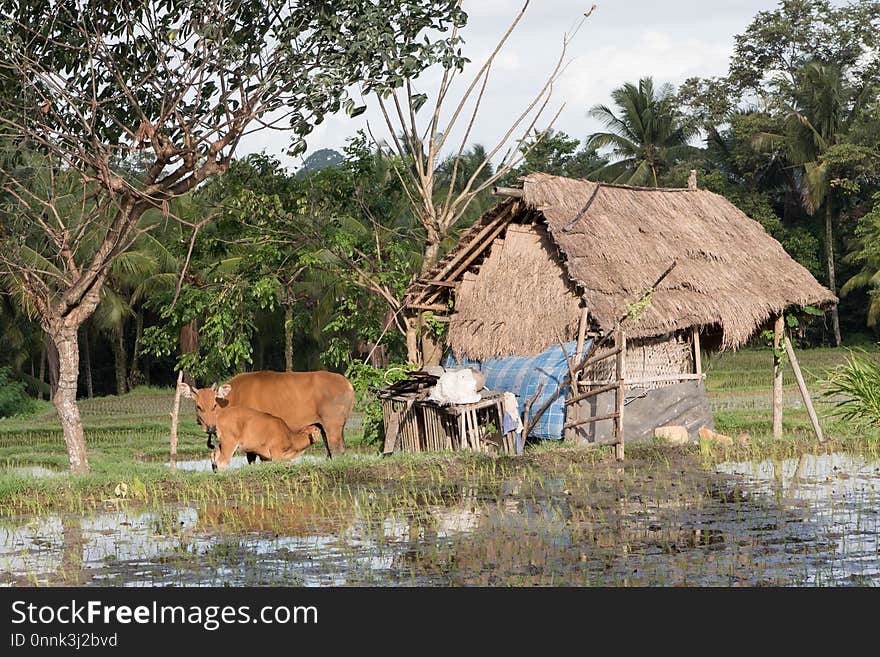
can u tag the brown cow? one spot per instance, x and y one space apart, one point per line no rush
298 398
255 432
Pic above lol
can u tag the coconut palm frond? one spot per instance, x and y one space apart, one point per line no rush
815 185
861 280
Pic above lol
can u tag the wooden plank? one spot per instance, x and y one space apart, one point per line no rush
392 428
476 241
802 386
570 435
778 337
460 268
440 283
514 192
428 306
650 379
621 392
582 331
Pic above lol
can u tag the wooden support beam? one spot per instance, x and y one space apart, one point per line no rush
570 434
594 418
802 386
428 306
582 332
698 357
464 264
600 357
621 392
659 378
514 192
778 337
476 241
591 393
440 283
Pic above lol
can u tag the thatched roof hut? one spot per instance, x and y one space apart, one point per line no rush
523 273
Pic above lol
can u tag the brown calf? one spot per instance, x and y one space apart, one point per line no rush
255 432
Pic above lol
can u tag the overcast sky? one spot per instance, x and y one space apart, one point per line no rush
622 41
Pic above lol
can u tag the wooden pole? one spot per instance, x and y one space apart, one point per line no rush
778 336
571 434
698 357
175 412
621 392
802 386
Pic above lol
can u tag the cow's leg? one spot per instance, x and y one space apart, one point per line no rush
334 437
251 457
224 454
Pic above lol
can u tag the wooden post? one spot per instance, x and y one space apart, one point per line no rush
802 386
778 337
175 412
621 393
698 357
570 435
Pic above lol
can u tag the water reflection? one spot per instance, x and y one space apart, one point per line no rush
812 521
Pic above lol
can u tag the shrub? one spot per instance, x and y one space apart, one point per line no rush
13 398
855 385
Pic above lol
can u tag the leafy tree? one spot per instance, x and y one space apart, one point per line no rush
866 253
773 49
180 83
815 138
646 137
558 154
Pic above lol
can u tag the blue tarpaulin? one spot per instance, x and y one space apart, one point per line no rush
522 375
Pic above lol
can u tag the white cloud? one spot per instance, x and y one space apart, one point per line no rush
623 41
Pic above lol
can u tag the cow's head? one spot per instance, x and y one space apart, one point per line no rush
209 401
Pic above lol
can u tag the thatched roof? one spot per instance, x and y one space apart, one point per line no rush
518 284
604 245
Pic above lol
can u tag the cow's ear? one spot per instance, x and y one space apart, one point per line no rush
223 391
186 390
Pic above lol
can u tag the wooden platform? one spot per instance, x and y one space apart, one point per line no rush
414 424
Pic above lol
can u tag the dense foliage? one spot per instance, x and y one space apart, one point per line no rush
307 269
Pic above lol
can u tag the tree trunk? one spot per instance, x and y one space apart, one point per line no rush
432 243
53 366
288 338
432 254
119 357
87 360
42 366
189 344
413 357
135 376
65 340
832 275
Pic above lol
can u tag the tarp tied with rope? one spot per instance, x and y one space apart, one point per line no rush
523 375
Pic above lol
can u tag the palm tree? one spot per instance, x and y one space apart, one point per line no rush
866 252
817 122
646 136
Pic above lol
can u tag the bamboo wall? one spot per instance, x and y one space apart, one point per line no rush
648 358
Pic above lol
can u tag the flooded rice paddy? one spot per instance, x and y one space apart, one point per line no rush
812 521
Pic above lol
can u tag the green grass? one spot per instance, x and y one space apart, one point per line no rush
128 440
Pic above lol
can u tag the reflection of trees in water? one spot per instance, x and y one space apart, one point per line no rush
71 570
